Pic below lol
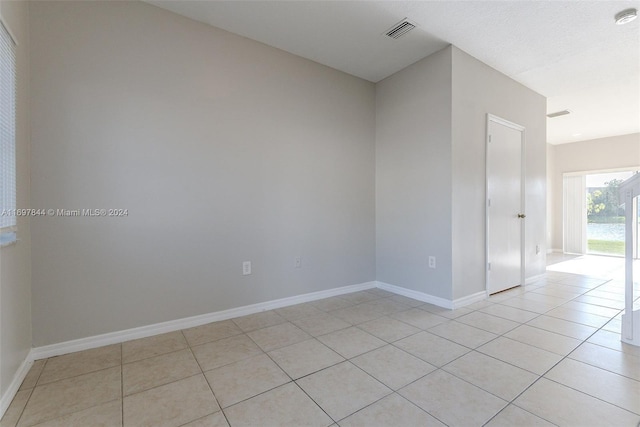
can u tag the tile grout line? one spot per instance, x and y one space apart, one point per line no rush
205 379
122 384
512 402
392 390
502 335
381 298
294 381
31 392
25 406
263 353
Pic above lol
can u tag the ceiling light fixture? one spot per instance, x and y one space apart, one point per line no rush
626 16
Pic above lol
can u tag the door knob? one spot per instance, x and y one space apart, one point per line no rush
521 215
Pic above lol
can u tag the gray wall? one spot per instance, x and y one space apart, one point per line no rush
15 260
430 172
413 176
224 150
221 148
477 90
616 152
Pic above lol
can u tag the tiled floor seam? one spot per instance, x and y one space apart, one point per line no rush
251 397
314 372
608 348
46 360
367 373
507 403
381 298
385 397
160 385
314 401
511 403
121 385
41 371
554 332
544 376
204 342
78 375
590 395
327 367
295 381
561 305
493 339
32 390
586 363
68 413
25 405
201 373
291 380
477 386
155 355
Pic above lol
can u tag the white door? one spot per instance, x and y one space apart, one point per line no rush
505 206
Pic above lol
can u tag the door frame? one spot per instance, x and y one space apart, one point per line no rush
499 120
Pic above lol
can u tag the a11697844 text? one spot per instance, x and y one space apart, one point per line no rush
66 212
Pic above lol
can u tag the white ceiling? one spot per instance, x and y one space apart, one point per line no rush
569 51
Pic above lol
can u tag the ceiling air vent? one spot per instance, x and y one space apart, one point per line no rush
559 113
400 29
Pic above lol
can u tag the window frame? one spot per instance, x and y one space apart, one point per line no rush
8 140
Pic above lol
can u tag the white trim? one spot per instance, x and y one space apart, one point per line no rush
420 296
87 343
533 279
431 299
523 191
504 122
602 171
630 329
469 299
16 382
630 192
188 322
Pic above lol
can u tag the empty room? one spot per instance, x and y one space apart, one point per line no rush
319 213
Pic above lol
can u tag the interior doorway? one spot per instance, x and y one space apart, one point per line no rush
505 204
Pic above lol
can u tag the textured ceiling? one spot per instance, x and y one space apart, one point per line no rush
569 51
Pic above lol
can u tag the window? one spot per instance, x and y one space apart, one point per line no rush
7 137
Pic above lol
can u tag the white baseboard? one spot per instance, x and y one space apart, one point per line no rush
15 384
533 279
188 322
470 299
431 299
420 296
87 343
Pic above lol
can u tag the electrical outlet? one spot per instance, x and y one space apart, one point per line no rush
432 262
246 268
297 262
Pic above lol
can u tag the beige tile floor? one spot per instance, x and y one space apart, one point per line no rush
548 354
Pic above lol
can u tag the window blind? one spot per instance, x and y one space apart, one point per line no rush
7 132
